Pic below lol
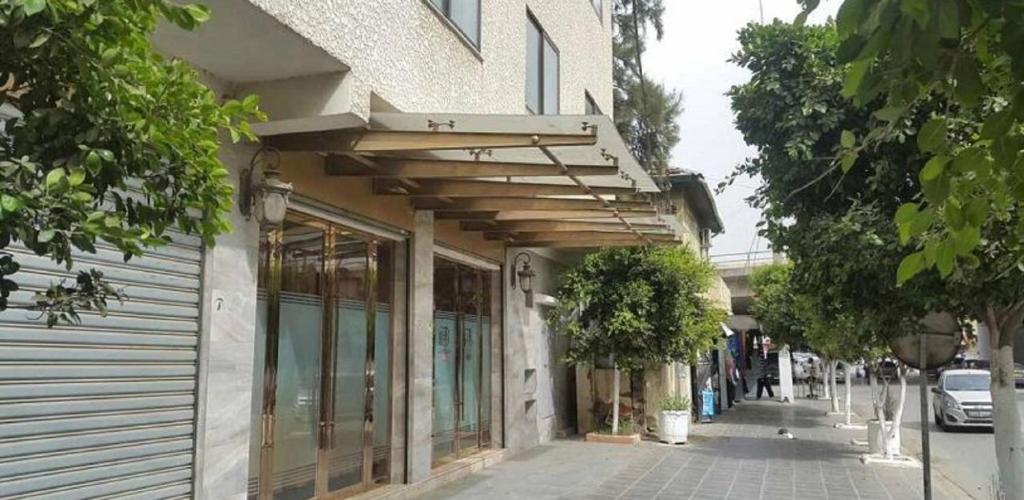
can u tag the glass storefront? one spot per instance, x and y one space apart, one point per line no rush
462 360
324 334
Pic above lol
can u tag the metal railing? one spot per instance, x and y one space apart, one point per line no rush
746 259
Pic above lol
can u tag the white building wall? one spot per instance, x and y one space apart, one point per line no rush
411 58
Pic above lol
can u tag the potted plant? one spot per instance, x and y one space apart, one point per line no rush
629 308
674 420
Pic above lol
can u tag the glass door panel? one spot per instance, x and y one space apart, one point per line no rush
445 356
485 359
260 359
297 406
469 366
324 317
382 363
351 280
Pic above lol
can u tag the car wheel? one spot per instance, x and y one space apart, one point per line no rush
938 419
942 424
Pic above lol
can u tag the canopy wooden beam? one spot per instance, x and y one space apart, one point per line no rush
476 204
370 141
550 226
347 166
584 244
467 188
577 235
529 215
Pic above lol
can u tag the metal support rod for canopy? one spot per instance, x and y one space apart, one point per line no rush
586 189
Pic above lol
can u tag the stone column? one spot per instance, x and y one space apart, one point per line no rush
785 376
227 356
421 348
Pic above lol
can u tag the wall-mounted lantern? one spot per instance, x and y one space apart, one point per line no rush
525 275
261 192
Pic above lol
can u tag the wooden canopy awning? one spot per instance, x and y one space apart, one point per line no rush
535 181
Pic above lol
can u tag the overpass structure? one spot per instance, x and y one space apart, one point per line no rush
736 270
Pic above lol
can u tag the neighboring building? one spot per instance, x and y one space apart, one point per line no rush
374 339
697 216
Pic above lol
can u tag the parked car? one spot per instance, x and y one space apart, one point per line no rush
1018 374
962 399
962 363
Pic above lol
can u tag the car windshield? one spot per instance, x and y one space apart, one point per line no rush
977 364
972 382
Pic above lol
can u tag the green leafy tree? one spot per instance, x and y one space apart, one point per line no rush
637 306
109 140
969 53
832 220
645 111
778 307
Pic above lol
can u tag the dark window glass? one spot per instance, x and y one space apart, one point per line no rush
541 71
534 39
590 105
464 14
550 79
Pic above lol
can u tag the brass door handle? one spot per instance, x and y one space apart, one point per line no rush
268 431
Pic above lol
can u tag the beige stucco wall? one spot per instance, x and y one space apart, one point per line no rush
408 56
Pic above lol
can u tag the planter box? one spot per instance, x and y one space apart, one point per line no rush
673 426
630 439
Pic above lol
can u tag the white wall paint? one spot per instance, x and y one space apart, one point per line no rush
404 53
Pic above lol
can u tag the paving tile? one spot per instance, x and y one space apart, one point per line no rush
739 456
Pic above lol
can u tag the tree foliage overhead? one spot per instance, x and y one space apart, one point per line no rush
109 141
970 55
645 111
640 305
836 227
838 172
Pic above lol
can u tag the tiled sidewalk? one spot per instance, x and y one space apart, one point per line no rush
741 456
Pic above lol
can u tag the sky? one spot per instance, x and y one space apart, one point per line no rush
700 36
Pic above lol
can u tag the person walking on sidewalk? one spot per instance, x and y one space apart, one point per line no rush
764 381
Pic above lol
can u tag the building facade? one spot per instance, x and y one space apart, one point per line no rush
446 159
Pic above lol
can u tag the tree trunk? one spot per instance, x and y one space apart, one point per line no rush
1006 416
834 400
849 394
878 401
827 372
615 397
897 419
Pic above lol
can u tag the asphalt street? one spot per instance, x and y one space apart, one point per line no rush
965 457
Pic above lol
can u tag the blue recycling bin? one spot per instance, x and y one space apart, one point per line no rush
707 408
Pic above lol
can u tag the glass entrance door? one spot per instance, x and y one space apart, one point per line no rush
462 350
324 340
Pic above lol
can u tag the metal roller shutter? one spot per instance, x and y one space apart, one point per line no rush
105 408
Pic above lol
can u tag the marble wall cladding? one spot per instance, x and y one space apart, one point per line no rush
226 354
421 349
399 373
537 393
497 365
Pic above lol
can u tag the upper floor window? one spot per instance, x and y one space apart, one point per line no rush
541 70
590 106
464 14
597 6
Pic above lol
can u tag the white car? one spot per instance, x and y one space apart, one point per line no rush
962 399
